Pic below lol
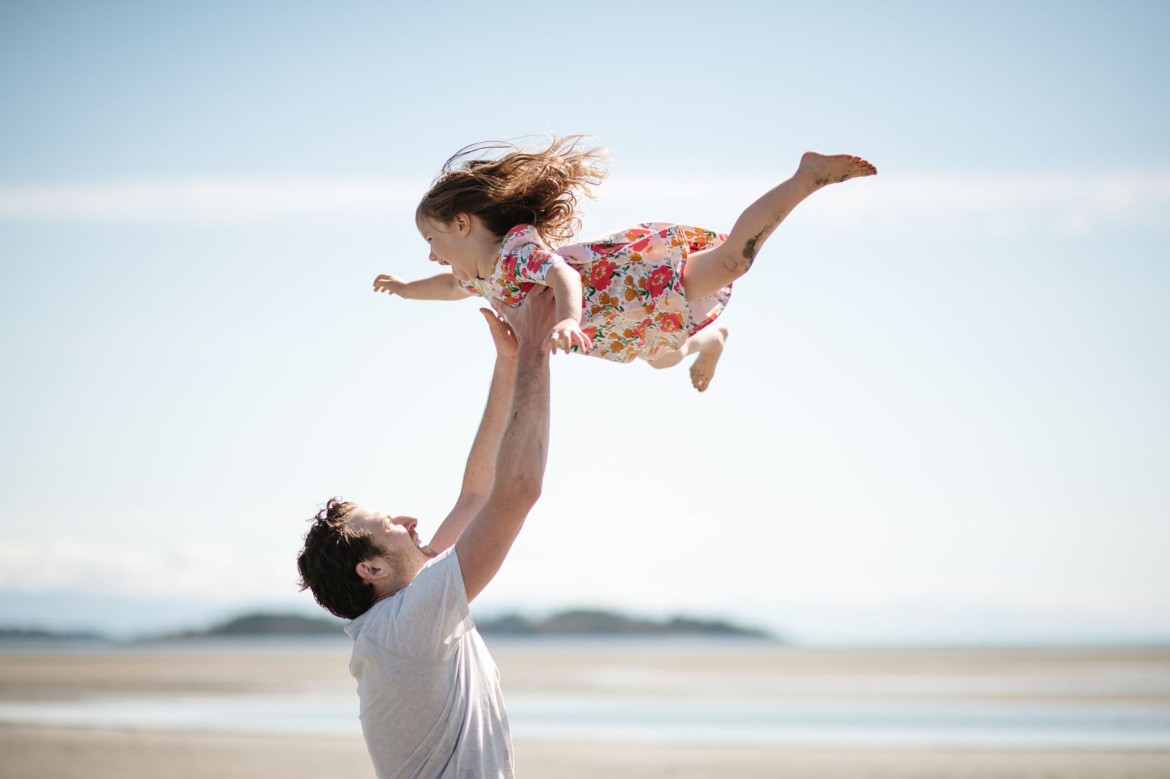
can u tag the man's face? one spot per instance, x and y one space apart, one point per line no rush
395 536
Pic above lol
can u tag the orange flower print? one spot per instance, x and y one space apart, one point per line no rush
670 323
631 293
637 332
659 280
601 273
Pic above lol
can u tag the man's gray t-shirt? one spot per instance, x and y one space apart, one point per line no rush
430 695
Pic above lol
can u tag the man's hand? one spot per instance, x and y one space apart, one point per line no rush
532 320
502 334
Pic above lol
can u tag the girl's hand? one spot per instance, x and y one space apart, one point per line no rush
566 334
389 284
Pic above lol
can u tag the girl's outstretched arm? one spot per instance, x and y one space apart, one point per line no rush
566 286
442 286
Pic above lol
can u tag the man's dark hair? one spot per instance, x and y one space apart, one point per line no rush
329 559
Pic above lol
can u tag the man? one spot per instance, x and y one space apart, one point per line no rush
430 695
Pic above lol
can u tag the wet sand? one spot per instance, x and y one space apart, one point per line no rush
52 753
62 753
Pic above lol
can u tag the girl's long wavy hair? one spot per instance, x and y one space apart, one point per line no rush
506 185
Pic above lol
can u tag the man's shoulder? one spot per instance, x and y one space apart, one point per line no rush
422 621
435 589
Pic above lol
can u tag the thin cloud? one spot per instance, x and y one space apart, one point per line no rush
204 200
891 203
197 569
949 204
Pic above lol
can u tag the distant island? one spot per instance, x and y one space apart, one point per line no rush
572 622
37 634
265 624
594 622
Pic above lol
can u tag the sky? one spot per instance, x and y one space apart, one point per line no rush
941 416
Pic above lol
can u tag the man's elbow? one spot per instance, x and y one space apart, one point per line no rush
522 493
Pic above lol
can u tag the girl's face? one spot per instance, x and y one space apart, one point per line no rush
449 245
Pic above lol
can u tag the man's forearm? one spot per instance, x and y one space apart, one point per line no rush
480 470
523 451
481 461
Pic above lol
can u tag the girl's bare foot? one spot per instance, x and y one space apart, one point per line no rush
823 169
703 369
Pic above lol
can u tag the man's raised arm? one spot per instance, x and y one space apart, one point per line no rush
480 471
519 467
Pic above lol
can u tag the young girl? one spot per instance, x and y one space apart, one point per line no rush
650 291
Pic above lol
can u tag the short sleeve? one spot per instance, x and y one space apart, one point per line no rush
527 263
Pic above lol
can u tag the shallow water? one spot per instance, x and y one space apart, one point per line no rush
651 720
698 693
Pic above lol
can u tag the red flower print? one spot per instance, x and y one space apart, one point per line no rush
659 280
670 323
508 265
601 273
535 261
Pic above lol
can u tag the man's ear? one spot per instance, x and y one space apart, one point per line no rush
372 570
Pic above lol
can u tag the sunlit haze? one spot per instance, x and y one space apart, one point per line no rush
942 413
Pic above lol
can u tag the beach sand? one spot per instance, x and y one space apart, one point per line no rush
28 752
52 753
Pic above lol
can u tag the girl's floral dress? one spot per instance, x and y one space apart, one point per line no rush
634 305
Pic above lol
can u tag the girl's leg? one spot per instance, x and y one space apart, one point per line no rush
709 270
708 342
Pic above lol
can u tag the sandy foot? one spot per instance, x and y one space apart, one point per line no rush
825 169
703 369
